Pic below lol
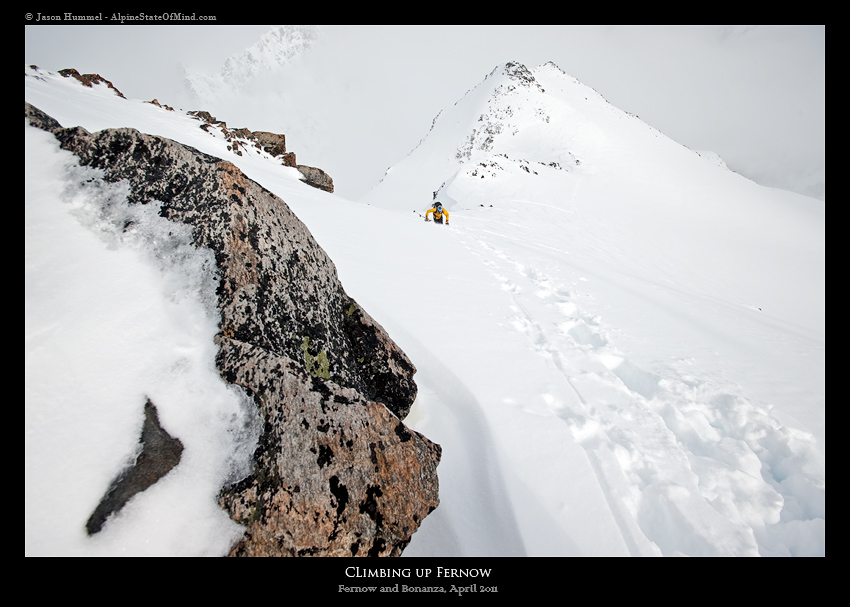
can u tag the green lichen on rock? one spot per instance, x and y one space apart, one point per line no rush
317 365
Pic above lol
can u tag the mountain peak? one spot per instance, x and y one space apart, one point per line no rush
521 122
277 47
519 73
552 65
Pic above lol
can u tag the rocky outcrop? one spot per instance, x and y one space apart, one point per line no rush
161 105
316 177
273 144
336 471
89 80
336 474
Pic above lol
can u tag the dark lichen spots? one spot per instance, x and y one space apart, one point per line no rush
340 492
369 505
402 432
378 546
325 457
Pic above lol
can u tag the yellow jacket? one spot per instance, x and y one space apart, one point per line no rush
437 215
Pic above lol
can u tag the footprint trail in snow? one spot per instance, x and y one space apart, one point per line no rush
686 466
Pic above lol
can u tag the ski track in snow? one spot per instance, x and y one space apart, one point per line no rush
686 468
468 530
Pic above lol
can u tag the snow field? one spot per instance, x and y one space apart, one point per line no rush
687 468
677 460
618 358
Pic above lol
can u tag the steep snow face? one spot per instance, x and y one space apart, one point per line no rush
276 48
265 87
541 116
527 138
289 82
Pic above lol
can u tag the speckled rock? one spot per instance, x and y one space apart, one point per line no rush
336 471
316 177
336 474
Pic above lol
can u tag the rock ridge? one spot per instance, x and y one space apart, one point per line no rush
89 80
239 140
274 144
336 472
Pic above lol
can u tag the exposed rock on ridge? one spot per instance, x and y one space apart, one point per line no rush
89 79
273 144
336 472
239 140
316 177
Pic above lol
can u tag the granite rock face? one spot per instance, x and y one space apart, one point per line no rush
336 474
336 471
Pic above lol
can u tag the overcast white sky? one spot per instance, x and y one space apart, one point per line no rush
755 95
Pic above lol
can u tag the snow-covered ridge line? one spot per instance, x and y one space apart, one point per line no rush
263 144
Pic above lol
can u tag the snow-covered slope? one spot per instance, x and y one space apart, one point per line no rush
623 355
283 83
586 181
276 48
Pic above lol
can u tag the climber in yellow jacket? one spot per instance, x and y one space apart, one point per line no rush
438 212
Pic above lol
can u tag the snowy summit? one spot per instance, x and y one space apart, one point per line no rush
620 343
